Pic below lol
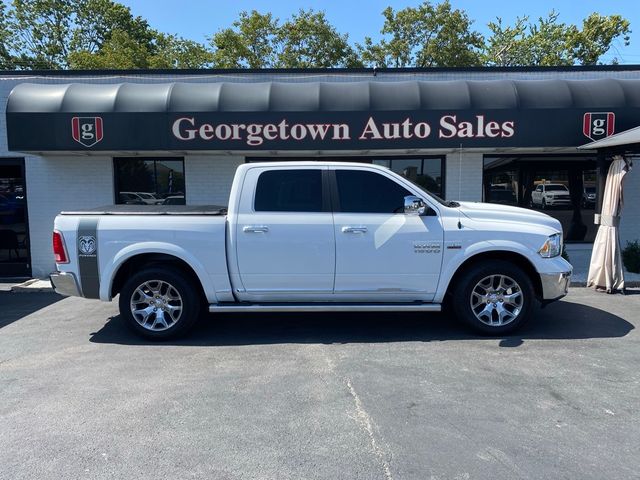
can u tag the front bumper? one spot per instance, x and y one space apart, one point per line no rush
554 285
558 201
65 284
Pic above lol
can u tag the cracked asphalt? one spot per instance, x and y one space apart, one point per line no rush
320 396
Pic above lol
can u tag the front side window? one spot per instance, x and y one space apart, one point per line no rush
149 181
289 191
369 192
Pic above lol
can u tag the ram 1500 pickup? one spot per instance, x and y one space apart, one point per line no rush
313 236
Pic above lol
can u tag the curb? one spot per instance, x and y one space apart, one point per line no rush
627 284
31 286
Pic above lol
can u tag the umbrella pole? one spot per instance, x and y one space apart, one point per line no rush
603 170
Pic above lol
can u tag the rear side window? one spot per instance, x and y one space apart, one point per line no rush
369 192
289 191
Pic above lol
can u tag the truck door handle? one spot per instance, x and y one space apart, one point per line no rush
354 229
255 229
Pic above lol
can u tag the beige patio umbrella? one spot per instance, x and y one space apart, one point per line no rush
605 269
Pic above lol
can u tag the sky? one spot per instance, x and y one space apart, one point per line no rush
199 19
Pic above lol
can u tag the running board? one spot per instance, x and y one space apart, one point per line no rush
325 307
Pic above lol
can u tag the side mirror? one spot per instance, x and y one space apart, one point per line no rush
414 205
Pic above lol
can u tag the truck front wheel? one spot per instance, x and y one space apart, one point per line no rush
159 303
493 297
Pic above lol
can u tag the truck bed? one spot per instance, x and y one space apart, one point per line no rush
210 210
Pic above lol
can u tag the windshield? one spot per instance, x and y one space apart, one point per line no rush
556 188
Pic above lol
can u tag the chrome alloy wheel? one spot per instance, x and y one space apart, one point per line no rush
496 300
156 305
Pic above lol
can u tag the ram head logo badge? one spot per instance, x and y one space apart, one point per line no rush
87 245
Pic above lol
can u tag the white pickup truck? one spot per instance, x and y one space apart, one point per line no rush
313 236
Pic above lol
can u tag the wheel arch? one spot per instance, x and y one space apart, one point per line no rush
516 258
141 260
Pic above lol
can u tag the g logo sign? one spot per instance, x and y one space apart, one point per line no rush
86 130
598 125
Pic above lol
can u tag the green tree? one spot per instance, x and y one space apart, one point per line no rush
552 43
424 36
251 43
96 20
171 51
597 36
120 51
6 58
42 31
308 40
84 34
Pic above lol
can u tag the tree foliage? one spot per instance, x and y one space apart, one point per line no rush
6 59
92 34
551 43
251 42
424 36
308 40
58 34
305 40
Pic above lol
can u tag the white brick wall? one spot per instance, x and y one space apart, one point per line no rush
209 177
61 183
463 176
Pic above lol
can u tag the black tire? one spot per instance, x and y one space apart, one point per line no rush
175 289
467 291
544 204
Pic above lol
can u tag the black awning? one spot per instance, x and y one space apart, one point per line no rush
318 116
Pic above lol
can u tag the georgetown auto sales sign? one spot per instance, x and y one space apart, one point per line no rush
315 130
255 134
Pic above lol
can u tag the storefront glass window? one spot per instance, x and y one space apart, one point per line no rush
149 181
561 186
14 234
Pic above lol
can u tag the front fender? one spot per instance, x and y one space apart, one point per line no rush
110 271
452 263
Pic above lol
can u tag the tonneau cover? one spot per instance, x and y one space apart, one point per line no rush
215 210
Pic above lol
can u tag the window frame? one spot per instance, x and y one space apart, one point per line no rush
366 160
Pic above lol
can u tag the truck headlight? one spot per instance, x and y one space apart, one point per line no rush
552 247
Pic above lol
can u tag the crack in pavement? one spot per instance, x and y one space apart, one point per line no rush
366 422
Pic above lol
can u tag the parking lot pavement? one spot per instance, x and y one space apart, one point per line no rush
349 396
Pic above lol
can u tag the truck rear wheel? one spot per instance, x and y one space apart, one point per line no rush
494 297
159 303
